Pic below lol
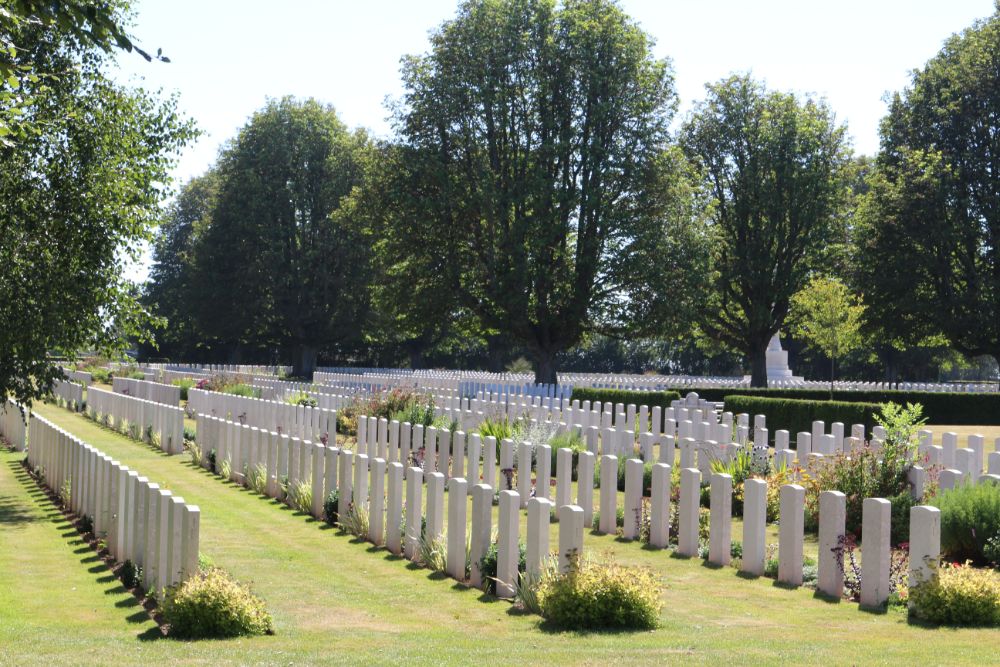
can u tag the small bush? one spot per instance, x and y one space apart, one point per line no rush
601 595
970 516
573 442
488 565
213 604
190 434
241 389
959 595
619 518
302 398
130 573
991 550
330 507
184 384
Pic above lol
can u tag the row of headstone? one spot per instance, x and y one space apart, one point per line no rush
80 377
301 421
145 418
284 460
376 485
141 522
70 392
924 542
157 392
12 425
967 461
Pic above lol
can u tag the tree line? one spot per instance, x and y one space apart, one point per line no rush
533 196
539 196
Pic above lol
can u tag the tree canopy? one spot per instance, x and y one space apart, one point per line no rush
777 168
269 256
547 169
78 195
928 238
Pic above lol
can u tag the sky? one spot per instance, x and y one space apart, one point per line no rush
229 56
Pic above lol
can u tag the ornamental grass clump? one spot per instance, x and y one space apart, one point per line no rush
597 595
213 604
959 595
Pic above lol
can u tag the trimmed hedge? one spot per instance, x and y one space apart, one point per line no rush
939 408
797 415
624 396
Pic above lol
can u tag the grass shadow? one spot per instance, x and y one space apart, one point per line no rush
748 575
826 597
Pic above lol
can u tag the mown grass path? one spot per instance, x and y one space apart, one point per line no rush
339 601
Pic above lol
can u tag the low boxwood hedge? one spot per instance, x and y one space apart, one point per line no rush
797 415
625 396
939 408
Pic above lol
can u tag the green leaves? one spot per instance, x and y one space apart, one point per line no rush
777 169
81 181
927 257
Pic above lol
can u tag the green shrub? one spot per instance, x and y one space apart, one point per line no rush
499 427
798 415
184 384
940 407
488 565
647 475
130 573
571 441
330 507
991 550
959 595
601 595
867 473
619 518
624 396
213 604
241 389
97 374
970 516
302 398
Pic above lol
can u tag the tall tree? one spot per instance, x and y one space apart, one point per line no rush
281 263
828 318
544 131
170 290
929 233
777 168
78 196
415 273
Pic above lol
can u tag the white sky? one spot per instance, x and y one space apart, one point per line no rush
229 56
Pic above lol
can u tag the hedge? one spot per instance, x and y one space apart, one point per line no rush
939 408
650 398
797 415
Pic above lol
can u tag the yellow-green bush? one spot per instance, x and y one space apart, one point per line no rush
597 595
213 604
959 595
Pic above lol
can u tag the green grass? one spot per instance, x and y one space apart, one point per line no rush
339 601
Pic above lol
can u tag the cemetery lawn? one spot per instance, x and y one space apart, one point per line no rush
335 600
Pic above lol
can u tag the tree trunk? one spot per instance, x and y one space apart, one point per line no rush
758 365
497 352
415 350
832 361
545 367
236 355
304 362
